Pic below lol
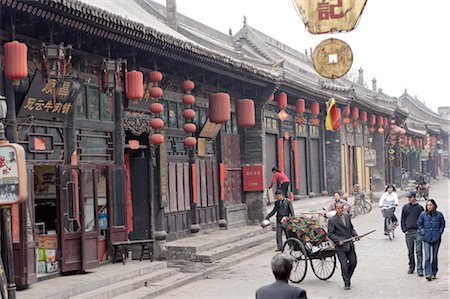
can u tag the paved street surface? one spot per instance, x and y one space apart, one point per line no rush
381 270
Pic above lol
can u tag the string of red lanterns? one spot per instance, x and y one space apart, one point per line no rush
189 114
156 107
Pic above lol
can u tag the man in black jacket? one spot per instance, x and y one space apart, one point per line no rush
340 228
283 207
410 214
281 268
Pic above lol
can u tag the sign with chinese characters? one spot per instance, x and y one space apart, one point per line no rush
210 130
332 58
253 177
13 176
327 16
370 158
50 100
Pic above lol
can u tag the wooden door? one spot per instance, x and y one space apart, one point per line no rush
69 218
89 218
271 156
287 161
315 166
231 157
117 230
303 166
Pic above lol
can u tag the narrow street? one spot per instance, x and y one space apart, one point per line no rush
381 270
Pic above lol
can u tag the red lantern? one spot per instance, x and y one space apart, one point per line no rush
156 108
157 139
188 99
219 107
380 121
188 85
282 100
315 108
300 106
190 128
190 141
134 144
156 92
245 113
155 76
189 113
355 113
15 61
156 123
373 120
364 116
134 85
347 110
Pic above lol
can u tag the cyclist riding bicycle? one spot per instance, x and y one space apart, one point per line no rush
388 201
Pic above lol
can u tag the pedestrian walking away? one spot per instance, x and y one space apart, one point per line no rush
337 198
431 225
282 207
388 201
281 268
340 228
410 214
280 179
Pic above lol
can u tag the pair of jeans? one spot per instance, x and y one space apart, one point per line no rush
348 262
280 231
393 219
431 257
414 240
285 188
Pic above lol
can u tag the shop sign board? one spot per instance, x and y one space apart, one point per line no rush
253 177
13 176
370 158
50 100
328 16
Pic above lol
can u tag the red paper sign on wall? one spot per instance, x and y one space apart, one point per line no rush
253 177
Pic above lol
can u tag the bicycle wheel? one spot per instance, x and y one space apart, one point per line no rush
324 267
390 228
366 207
295 248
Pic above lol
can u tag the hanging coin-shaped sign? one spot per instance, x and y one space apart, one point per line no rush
332 58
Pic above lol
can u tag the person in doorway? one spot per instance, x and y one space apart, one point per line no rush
336 199
340 228
281 265
388 201
431 225
280 178
410 213
282 207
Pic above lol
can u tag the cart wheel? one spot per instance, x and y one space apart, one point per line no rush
296 249
324 268
367 207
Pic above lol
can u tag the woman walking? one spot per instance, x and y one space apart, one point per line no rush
431 225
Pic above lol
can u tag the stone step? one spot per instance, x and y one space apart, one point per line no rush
230 249
100 277
128 285
158 288
189 247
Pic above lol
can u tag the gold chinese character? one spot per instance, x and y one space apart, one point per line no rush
39 105
66 108
48 88
57 108
30 104
48 106
64 89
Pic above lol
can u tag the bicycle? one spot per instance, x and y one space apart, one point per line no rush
390 226
361 204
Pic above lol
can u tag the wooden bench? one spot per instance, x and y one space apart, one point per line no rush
121 248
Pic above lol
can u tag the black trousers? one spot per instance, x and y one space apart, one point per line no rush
285 188
348 264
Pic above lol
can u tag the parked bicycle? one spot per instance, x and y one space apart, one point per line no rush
362 205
